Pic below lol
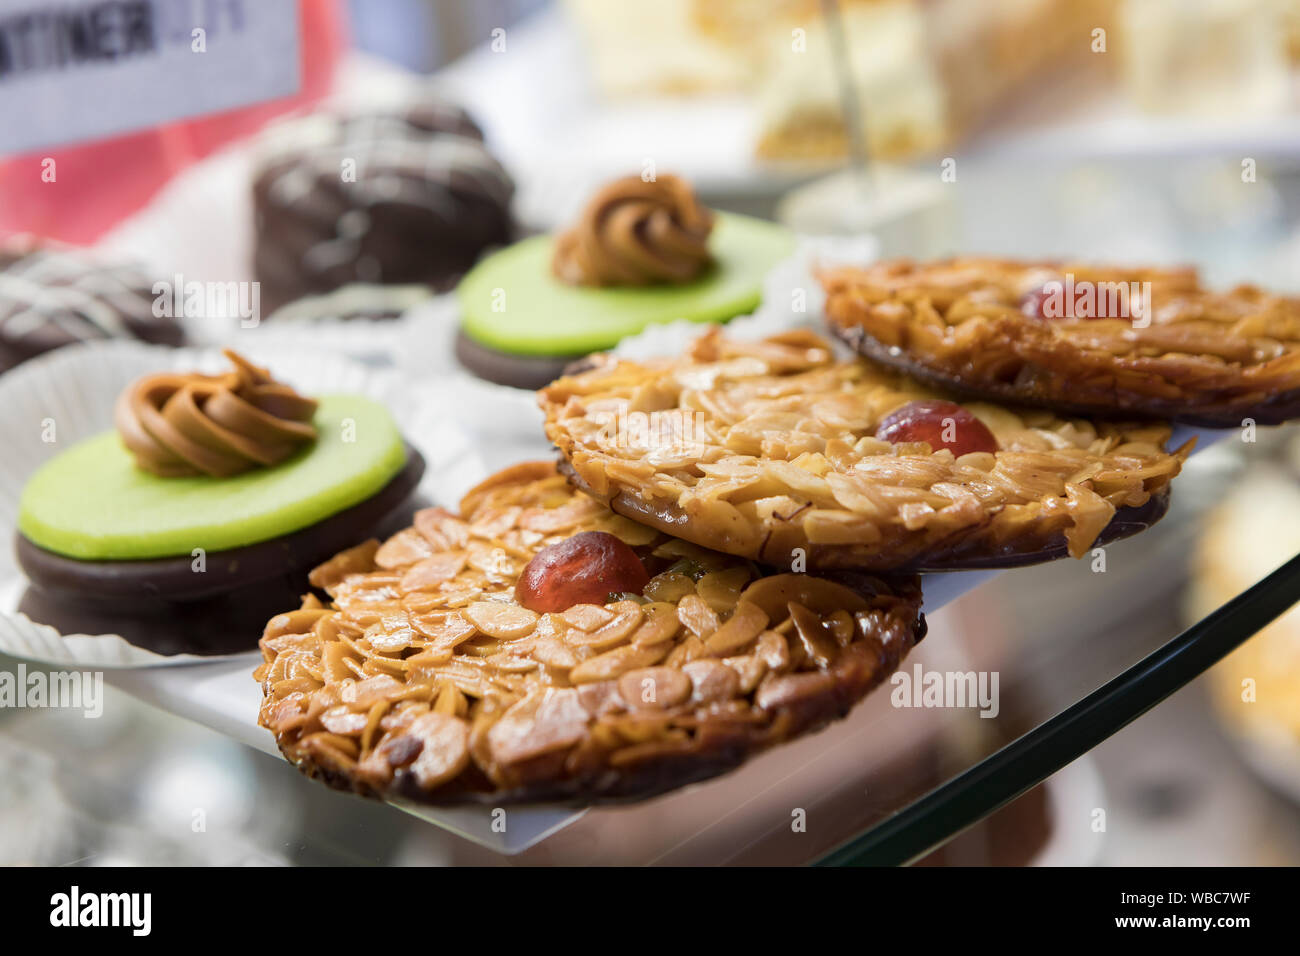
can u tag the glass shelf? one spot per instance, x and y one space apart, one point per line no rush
1078 653
999 778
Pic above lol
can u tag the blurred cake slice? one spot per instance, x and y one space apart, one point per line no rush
923 71
639 49
1209 56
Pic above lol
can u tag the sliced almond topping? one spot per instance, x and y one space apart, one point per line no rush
698 617
588 617
445 628
501 620
363 694
442 529
654 688
721 588
553 520
713 680
341 720
774 594
818 642
553 652
618 630
546 721
387 639
444 750
749 669
617 662
740 629
660 624
433 571
773 651
669 588
450 701
405 547
357 560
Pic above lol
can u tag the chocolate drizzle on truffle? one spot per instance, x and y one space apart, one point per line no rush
178 424
634 232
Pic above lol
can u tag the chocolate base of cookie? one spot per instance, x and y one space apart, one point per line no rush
979 557
227 624
167 606
504 368
1280 408
969 551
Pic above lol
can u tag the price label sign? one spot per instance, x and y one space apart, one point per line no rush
78 70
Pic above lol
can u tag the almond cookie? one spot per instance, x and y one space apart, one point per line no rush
537 646
776 451
1131 343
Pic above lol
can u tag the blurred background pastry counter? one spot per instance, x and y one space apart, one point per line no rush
1152 131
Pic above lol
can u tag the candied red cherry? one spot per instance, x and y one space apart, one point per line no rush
584 569
1056 299
1034 302
942 424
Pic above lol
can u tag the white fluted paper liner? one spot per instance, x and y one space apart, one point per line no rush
73 389
498 412
334 322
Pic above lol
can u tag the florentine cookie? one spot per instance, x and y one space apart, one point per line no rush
1077 338
776 451
537 646
52 296
408 197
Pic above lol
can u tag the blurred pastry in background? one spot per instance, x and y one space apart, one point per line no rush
1077 338
356 301
1256 689
54 295
923 73
639 49
1225 57
641 252
1292 20
390 198
897 84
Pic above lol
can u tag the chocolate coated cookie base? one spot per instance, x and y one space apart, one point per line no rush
519 371
1277 410
166 606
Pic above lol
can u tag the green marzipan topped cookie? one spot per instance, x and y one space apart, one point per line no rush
543 316
93 503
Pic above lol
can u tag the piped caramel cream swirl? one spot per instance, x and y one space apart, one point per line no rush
634 232
178 424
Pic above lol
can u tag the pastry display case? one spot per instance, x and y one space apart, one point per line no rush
672 435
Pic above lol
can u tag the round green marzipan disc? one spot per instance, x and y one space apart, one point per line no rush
511 302
93 503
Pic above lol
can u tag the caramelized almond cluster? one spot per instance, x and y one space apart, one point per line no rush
776 451
1177 351
425 677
